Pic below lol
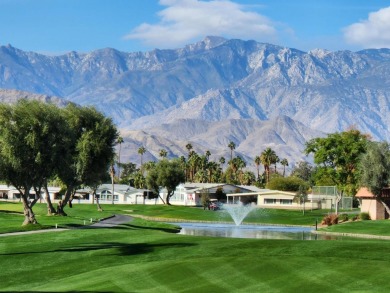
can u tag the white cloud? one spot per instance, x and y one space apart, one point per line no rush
371 33
183 21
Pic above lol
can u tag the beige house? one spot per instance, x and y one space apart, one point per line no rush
373 205
274 199
10 193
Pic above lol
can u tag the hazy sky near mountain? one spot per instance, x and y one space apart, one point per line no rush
58 26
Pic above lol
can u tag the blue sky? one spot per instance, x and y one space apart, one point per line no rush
59 26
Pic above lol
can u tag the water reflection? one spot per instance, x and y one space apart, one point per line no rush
251 231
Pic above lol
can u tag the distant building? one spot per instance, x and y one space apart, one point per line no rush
374 205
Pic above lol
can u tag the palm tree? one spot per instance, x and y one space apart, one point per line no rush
112 174
207 154
267 158
193 163
163 153
284 163
275 161
141 151
258 162
222 161
183 164
241 164
212 168
189 148
231 146
119 141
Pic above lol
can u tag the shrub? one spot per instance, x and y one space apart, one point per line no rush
343 218
331 219
364 216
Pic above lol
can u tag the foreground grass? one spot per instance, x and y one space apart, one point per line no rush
143 256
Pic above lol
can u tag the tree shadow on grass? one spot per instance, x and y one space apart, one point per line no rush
122 249
137 227
133 227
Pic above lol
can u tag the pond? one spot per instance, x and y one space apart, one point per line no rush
251 231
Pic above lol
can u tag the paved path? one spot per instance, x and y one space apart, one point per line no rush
106 223
112 221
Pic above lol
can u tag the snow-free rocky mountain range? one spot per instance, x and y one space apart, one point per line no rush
213 92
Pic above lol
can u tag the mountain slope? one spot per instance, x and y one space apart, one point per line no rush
211 91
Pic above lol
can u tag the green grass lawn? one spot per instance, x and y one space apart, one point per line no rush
144 256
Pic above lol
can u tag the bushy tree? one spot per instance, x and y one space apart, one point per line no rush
40 141
290 183
32 142
90 150
303 170
338 156
374 169
165 174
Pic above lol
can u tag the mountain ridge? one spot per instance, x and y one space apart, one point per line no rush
217 81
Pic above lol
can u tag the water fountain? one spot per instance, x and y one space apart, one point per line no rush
238 211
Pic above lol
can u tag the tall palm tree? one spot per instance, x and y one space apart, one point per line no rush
189 148
231 146
112 174
241 164
258 162
222 161
275 161
183 163
119 141
284 163
141 151
193 163
163 153
267 158
207 154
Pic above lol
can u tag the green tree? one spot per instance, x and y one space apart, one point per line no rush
304 170
222 161
139 180
257 163
290 183
374 169
141 152
220 194
208 154
248 178
301 196
267 157
166 174
119 141
205 199
231 146
90 149
284 163
128 171
193 163
163 153
338 156
189 148
32 139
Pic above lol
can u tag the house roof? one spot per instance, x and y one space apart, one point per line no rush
363 192
264 192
